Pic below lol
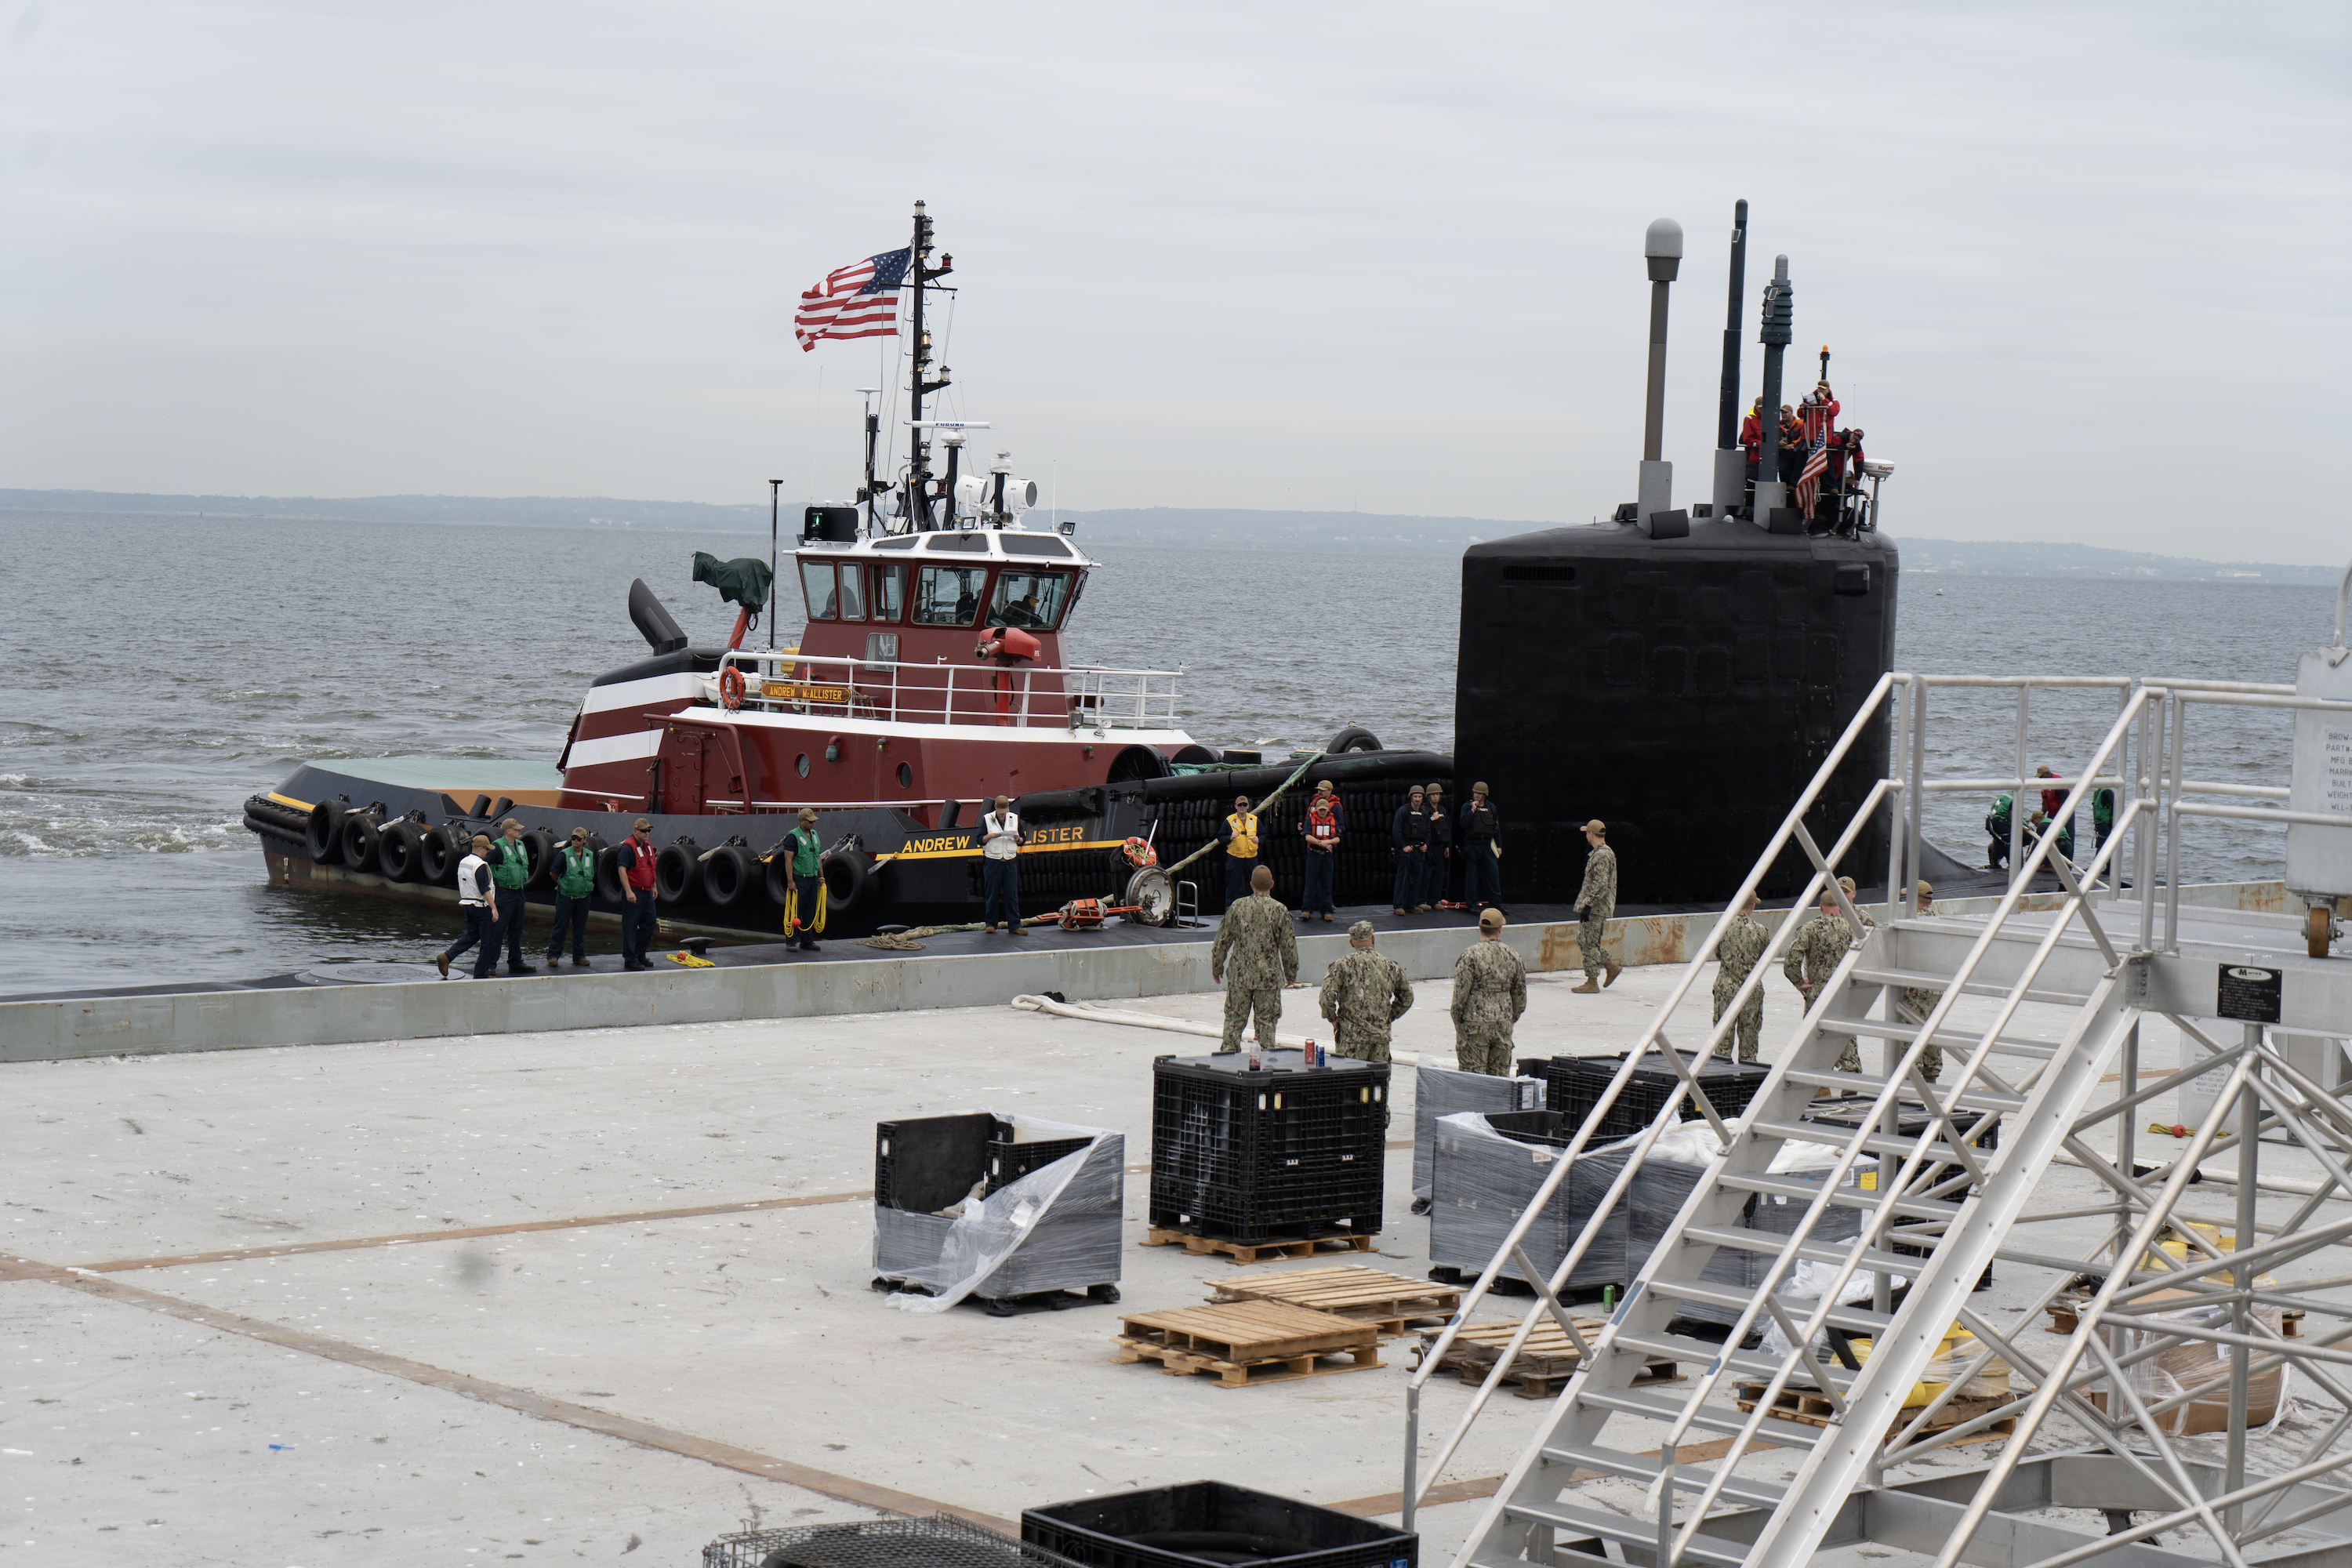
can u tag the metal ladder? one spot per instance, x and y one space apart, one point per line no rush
1951 1190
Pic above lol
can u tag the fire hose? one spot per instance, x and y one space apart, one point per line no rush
1092 1014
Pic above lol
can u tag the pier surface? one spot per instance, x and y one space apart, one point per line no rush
601 1296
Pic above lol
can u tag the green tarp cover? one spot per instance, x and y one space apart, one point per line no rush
742 581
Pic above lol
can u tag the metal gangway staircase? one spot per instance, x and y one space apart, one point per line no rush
2084 1431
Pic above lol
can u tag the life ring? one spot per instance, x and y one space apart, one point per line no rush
731 687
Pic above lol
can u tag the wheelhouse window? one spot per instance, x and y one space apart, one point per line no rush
853 591
890 590
1033 599
818 585
948 595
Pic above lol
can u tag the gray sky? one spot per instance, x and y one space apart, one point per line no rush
2083 269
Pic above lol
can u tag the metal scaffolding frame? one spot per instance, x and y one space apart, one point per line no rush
2091 1429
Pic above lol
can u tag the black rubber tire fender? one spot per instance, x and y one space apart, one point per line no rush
360 838
678 873
849 880
779 874
610 877
400 851
437 857
1354 738
538 847
324 835
728 873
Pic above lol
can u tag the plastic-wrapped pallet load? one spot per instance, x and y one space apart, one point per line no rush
2198 1368
1443 1092
1664 1182
997 1206
1482 1180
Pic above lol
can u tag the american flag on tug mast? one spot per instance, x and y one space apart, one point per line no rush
859 300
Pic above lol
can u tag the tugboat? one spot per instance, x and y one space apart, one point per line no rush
928 676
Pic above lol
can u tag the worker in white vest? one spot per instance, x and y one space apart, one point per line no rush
1000 867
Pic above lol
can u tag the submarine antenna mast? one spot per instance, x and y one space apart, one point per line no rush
1662 250
1730 463
919 470
1780 315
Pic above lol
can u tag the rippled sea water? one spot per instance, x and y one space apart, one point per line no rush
158 670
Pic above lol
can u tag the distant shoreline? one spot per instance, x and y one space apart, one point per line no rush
1152 527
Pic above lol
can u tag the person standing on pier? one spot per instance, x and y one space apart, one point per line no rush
1490 992
1409 831
1596 901
575 881
1363 995
1815 953
475 899
1000 867
636 860
1919 1001
804 914
1480 842
1744 941
1321 828
509 870
1441 848
1238 834
1254 956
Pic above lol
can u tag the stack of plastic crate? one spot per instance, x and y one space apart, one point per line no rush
1283 1151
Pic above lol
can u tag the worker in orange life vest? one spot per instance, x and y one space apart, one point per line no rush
1325 820
1751 436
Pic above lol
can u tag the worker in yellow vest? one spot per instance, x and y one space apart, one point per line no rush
1238 833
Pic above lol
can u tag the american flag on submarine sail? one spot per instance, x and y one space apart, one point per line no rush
1817 463
859 300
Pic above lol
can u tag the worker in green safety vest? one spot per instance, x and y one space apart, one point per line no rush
575 881
510 870
805 905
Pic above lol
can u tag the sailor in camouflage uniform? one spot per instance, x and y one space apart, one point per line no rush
1919 1001
1743 943
1595 902
1254 956
1490 991
1363 993
1815 954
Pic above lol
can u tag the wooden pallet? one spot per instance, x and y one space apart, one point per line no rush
1257 1252
1544 1363
1392 1303
1247 1343
2065 1315
1812 1410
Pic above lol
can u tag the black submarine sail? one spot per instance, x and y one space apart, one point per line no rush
1681 674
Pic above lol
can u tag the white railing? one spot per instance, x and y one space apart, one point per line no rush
1078 697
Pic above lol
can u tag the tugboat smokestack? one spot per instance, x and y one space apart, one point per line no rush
1662 248
1730 464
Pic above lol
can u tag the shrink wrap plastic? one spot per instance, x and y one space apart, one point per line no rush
1443 1091
1481 1181
2202 1368
1057 1228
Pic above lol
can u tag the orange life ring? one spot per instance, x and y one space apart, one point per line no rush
731 687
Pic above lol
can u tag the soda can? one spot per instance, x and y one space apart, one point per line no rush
1314 1055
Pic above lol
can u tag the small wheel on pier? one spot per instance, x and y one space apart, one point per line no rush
2317 928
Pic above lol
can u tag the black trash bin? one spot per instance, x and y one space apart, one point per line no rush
1212 1522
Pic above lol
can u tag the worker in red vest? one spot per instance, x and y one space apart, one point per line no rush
636 860
1320 829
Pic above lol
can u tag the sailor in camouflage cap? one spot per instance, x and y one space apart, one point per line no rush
1363 993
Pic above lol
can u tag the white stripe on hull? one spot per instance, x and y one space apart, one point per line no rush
652 690
587 753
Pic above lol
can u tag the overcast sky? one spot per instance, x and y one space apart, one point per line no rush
2084 270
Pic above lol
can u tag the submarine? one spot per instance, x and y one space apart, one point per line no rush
1680 673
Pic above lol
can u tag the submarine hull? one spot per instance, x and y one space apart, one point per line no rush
1682 690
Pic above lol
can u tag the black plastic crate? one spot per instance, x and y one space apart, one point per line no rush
1573 1086
1008 1161
1247 1156
1212 1522
927 1164
939 1542
1550 1128
1911 1120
